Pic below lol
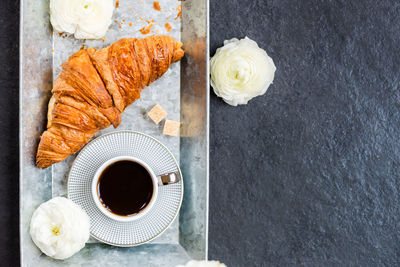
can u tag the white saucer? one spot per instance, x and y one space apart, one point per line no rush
141 146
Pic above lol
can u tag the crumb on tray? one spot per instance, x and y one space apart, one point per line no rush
168 27
156 6
146 30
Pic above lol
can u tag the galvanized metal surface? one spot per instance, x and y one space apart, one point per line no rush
40 56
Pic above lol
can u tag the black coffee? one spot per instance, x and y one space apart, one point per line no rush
125 188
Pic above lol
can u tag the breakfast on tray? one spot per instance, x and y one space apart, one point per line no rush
95 87
125 169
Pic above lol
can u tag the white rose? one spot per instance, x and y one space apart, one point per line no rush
87 19
203 264
240 71
60 228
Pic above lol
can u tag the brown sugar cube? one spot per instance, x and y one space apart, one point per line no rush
157 114
171 128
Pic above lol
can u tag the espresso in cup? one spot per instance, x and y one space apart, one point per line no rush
125 188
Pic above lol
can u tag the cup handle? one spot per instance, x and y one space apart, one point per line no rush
168 178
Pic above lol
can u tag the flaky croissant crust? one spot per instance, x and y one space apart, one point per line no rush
95 87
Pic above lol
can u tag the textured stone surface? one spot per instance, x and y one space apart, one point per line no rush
9 229
308 174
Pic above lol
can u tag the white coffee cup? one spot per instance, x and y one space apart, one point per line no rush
157 181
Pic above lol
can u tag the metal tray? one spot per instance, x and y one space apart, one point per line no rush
186 87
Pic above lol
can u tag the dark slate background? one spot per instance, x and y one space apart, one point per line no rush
306 175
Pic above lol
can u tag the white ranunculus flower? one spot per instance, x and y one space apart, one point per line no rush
240 70
203 264
87 19
60 228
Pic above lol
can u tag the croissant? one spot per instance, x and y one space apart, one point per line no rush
95 87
